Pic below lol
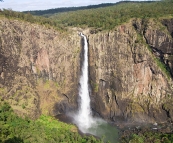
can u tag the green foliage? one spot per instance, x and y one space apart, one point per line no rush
148 137
102 17
111 16
23 106
163 67
66 9
136 139
15 129
95 86
32 19
160 64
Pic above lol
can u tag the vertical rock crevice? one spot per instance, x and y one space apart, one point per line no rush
138 85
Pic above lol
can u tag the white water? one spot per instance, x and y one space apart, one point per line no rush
84 118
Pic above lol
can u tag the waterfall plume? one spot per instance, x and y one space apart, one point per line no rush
84 118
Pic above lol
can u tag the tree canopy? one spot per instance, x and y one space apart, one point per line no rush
14 129
111 16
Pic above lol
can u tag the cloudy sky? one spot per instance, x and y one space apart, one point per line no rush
22 5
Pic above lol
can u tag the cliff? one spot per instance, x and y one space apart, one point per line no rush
39 68
131 69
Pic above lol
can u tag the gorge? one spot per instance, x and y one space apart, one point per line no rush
126 79
130 70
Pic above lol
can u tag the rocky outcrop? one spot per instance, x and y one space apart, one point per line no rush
129 72
39 68
160 40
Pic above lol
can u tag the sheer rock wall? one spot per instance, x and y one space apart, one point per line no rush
40 69
128 83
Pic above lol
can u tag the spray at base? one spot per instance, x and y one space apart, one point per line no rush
83 118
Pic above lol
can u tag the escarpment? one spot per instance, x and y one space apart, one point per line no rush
130 72
38 68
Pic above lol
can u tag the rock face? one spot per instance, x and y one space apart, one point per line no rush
131 70
38 68
127 78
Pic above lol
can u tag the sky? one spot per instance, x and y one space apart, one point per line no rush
24 5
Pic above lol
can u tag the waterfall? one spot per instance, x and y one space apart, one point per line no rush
84 118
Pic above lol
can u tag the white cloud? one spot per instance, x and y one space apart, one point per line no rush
35 4
23 5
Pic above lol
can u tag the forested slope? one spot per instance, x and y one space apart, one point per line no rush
27 17
104 17
109 17
66 9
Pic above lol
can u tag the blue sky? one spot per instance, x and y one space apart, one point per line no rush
22 5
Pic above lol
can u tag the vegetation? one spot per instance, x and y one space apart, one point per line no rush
10 14
104 16
14 129
158 61
148 137
111 16
66 9
46 129
163 67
